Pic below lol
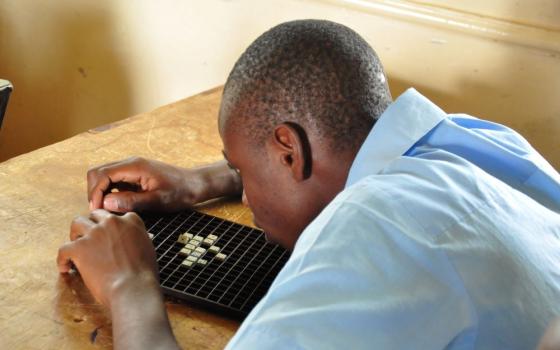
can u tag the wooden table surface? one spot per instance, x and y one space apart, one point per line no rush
40 193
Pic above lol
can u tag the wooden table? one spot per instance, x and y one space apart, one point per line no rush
40 193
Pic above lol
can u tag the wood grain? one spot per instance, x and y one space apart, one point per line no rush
40 193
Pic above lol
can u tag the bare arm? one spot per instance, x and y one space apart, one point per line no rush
139 316
160 186
114 255
117 263
219 179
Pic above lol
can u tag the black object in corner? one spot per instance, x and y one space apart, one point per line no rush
5 90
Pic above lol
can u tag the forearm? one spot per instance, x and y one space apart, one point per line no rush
218 180
139 316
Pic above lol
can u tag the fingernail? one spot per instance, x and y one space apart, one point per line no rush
110 204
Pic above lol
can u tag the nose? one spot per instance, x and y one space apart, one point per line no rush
244 199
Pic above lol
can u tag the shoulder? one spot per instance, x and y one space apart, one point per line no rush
360 274
424 195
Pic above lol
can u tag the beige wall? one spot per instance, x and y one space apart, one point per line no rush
77 64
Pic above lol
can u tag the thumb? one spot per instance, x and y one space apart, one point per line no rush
122 202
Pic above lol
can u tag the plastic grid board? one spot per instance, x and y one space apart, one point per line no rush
231 287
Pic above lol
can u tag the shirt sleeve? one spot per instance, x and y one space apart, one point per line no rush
361 278
498 150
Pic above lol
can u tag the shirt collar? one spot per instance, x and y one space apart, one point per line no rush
404 122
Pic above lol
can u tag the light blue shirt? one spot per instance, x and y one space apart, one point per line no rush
447 236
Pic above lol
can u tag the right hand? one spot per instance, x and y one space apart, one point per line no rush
111 252
161 186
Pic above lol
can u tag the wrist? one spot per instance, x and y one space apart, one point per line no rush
139 316
134 289
194 187
212 181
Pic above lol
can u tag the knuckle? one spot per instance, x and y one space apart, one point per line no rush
91 173
62 251
94 234
102 170
76 219
112 220
75 224
137 159
134 218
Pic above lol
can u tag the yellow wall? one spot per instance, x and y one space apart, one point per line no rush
78 64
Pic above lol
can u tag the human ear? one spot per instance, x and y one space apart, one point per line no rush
291 144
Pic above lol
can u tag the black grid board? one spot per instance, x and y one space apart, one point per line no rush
231 287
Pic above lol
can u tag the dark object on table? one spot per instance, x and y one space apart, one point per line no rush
5 90
213 263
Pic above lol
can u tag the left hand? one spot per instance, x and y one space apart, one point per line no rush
111 253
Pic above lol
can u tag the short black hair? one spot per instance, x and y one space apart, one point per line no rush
315 73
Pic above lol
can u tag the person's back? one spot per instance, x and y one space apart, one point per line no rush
499 248
439 244
505 245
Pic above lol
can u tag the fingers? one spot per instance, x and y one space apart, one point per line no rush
133 217
64 257
80 225
99 179
122 202
98 182
99 215
97 188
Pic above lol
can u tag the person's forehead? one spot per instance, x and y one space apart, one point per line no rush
229 119
235 145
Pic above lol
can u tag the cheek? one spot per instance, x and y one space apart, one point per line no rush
264 195
261 203
256 202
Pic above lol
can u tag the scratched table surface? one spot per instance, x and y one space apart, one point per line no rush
40 193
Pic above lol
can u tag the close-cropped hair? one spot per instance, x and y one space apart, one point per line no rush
318 74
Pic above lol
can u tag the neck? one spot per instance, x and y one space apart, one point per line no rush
331 175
